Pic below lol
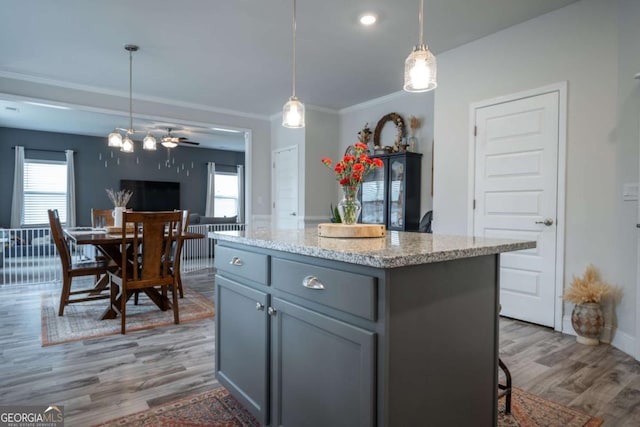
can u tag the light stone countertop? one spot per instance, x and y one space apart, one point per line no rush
397 249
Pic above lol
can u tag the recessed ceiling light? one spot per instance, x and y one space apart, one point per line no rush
368 19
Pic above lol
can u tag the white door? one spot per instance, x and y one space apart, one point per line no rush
285 187
516 185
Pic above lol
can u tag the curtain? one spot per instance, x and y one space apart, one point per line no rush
240 194
17 200
71 189
211 188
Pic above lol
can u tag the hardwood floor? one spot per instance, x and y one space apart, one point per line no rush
104 378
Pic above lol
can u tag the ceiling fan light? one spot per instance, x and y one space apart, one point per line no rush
115 140
420 70
169 144
293 113
149 143
127 145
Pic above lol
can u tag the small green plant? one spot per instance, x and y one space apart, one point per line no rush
335 215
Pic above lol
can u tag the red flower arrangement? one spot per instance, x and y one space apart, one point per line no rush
350 172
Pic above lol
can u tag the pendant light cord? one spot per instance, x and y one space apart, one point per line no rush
294 49
130 91
421 19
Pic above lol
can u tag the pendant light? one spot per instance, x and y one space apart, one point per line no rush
149 142
420 67
115 139
293 111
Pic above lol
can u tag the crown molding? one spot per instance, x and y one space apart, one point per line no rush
373 102
124 94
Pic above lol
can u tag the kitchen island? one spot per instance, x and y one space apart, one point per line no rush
393 331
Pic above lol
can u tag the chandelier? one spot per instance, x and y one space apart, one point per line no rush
123 140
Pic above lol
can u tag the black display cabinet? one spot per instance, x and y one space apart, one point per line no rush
390 195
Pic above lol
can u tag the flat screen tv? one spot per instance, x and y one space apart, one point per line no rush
152 195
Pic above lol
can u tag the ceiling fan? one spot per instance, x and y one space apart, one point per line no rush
171 141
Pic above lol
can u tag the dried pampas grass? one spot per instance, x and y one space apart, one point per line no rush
588 288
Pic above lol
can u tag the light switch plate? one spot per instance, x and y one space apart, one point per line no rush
630 191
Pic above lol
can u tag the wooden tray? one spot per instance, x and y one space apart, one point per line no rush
112 230
351 231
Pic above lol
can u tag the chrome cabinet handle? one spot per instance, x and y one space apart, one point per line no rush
236 261
548 222
259 306
312 282
272 311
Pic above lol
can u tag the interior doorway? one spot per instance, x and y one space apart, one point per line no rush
517 190
284 205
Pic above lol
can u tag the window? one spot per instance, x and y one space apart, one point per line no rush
45 187
225 201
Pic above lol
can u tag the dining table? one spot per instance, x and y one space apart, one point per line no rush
110 245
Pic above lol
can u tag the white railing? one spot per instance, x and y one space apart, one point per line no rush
197 254
29 256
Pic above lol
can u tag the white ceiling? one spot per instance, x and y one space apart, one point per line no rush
229 55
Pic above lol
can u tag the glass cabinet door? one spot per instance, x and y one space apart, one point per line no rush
373 197
396 193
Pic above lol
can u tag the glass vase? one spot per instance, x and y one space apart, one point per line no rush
349 207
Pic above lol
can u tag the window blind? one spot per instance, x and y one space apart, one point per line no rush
45 187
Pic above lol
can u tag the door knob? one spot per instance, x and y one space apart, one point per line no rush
259 306
272 311
548 222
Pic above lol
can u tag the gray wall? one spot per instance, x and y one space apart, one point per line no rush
92 177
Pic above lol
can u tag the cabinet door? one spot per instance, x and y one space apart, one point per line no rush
397 183
322 370
373 197
241 345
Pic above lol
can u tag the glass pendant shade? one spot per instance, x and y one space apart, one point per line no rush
149 143
420 71
127 145
293 113
115 140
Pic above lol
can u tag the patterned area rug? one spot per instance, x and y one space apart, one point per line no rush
217 408
529 410
81 321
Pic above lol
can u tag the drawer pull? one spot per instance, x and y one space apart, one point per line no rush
235 261
259 306
272 311
312 282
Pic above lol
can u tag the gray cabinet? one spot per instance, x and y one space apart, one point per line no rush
242 344
342 344
322 369
280 351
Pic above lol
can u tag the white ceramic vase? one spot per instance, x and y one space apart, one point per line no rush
117 216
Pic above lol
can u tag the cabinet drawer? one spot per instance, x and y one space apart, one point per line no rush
249 265
344 291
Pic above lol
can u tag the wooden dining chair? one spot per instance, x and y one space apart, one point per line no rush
178 252
101 218
147 263
175 253
71 269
